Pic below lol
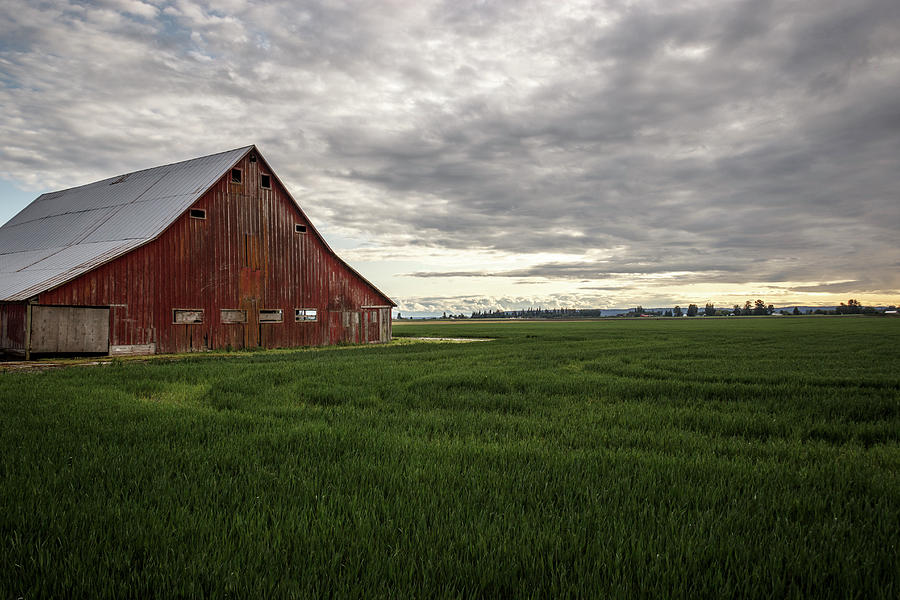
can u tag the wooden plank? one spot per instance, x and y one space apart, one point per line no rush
69 329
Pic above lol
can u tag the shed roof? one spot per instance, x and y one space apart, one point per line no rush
64 234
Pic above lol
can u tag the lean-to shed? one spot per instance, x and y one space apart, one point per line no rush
202 254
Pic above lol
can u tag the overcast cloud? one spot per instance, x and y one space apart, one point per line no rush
514 153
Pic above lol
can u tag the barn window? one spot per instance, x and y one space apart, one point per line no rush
271 315
187 316
252 157
233 315
299 228
235 175
305 314
198 213
265 181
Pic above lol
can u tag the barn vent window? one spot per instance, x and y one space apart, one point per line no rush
187 316
265 181
233 315
305 314
271 315
198 213
252 157
235 176
299 228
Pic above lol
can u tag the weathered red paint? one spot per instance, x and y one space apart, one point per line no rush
12 326
244 255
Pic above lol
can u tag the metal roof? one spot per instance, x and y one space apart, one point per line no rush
63 234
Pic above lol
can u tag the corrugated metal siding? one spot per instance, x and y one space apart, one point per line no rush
244 255
131 209
61 265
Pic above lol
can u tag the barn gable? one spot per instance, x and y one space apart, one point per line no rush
218 236
66 233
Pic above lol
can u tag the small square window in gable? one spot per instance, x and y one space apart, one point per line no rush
198 213
298 228
265 181
236 175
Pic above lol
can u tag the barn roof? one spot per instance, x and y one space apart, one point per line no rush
64 234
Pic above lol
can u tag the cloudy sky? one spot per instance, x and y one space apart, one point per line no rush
500 154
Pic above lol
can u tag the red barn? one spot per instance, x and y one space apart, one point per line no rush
202 254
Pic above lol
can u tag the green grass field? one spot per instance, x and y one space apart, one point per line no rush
692 457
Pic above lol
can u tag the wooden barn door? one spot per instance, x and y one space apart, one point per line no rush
384 324
376 324
371 325
69 329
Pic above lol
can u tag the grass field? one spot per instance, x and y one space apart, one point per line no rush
692 457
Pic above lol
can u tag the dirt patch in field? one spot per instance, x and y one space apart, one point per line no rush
33 365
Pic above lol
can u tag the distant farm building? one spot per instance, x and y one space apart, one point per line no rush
203 254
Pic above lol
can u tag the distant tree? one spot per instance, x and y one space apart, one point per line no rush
668 313
710 310
399 316
759 308
796 310
677 311
853 307
445 314
737 310
692 310
748 308
770 309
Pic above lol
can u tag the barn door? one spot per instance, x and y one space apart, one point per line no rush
69 329
372 327
350 326
384 325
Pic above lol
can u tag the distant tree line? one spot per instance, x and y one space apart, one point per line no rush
755 308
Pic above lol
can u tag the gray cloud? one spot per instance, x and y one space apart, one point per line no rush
741 141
